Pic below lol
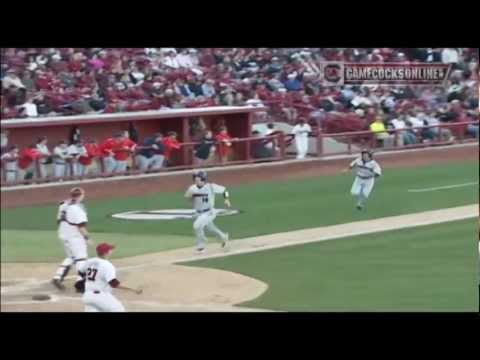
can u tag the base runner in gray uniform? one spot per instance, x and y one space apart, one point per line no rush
202 194
367 170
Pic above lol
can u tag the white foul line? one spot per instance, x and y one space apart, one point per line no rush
443 187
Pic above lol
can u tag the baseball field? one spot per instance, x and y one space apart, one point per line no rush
413 248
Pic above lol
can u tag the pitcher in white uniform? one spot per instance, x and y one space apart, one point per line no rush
367 170
101 279
202 195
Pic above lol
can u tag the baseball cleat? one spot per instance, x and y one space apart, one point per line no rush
225 241
200 251
359 207
57 283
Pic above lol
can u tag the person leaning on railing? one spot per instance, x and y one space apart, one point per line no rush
27 162
151 155
224 141
205 150
46 156
10 164
61 160
75 150
171 143
123 148
380 132
85 161
259 149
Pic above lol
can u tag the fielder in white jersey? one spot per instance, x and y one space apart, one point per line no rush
202 195
367 170
101 278
72 220
301 131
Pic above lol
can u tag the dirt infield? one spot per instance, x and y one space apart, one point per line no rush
232 176
169 286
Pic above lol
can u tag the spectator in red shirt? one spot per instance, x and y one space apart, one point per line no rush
107 155
85 161
171 143
116 152
26 162
224 144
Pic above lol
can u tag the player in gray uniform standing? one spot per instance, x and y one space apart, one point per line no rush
202 194
367 170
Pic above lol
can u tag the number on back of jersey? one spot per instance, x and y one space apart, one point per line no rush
91 274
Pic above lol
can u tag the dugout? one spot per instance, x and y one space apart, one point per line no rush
23 132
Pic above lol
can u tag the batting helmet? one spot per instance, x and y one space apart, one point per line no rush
369 152
202 175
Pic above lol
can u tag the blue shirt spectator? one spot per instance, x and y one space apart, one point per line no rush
293 82
155 146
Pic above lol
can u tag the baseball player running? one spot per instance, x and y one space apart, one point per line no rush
367 170
100 280
202 195
72 220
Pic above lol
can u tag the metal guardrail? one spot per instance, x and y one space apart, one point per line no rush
238 146
282 142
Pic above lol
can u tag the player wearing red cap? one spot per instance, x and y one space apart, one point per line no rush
100 280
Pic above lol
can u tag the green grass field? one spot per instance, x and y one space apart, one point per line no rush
428 268
29 234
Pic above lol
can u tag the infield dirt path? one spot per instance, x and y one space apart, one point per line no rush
169 286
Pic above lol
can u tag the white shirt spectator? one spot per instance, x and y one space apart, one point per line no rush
450 56
185 61
138 76
416 122
171 61
194 57
30 109
398 124
361 100
12 79
431 121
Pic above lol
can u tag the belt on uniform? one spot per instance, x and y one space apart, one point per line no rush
203 211
96 292
11 170
365 177
60 163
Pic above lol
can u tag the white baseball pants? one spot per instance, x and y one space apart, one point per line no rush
101 302
205 220
302 147
362 189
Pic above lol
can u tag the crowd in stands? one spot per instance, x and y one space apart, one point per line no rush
39 82
66 81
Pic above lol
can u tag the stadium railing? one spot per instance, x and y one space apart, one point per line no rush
369 139
240 148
